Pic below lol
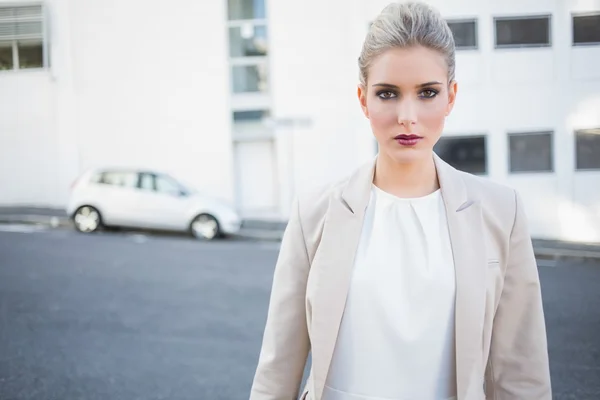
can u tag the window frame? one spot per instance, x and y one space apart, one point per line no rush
44 38
495 19
467 20
582 14
539 132
485 137
575 155
249 61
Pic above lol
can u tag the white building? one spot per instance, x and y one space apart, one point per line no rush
255 100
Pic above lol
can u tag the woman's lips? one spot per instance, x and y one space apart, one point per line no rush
408 140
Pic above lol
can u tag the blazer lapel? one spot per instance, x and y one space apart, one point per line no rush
341 235
468 247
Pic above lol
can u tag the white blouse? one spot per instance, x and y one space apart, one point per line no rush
396 339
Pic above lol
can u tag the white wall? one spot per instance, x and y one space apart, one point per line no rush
152 88
314 76
28 146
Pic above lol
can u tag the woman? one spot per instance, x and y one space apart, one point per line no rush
409 280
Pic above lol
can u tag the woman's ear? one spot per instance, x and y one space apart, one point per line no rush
362 98
452 89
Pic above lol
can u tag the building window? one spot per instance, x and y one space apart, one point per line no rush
522 32
247 40
249 78
23 43
253 124
246 9
530 152
6 56
250 116
248 46
466 153
586 29
465 34
587 149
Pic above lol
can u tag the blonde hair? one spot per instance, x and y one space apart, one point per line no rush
406 24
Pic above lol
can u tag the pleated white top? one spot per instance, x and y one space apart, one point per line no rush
396 339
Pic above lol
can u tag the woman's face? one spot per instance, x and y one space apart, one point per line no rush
406 99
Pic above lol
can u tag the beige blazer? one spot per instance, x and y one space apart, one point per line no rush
501 347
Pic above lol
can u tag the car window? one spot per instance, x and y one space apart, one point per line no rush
167 185
119 178
96 177
147 182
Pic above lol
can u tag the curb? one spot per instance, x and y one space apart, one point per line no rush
553 255
54 222
63 222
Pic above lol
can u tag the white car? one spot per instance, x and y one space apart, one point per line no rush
147 199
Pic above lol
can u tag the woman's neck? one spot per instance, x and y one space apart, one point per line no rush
414 179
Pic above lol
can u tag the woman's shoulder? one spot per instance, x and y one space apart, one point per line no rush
485 186
495 198
314 203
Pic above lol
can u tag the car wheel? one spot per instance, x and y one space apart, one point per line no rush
87 219
205 227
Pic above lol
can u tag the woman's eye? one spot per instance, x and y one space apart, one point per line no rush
386 95
429 93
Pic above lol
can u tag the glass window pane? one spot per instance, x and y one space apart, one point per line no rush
586 29
246 9
250 116
248 40
29 29
464 153
31 55
167 185
123 179
588 148
531 152
517 32
6 56
147 182
465 34
249 78
28 11
96 178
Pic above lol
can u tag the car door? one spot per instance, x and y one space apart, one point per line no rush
116 193
164 203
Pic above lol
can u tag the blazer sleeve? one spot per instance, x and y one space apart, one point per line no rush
286 343
518 363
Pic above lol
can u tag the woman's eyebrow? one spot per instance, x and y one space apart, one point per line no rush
429 84
390 86
386 85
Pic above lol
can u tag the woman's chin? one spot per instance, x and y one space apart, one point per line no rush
409 155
